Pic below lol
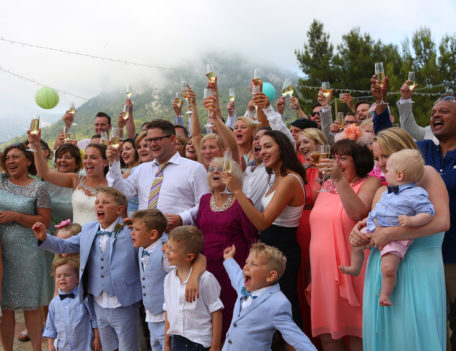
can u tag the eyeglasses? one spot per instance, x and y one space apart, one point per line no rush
352 122
213 169
157 139
449 98
313 114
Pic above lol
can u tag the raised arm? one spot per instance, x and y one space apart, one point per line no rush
67 180
195 127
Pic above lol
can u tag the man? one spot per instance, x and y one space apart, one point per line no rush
183 181
298 125
361 110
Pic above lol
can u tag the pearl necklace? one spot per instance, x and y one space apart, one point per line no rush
225 205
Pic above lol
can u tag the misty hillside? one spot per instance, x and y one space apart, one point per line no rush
153 102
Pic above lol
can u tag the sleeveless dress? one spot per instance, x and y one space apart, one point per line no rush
282 235
83 204
22 260
417 319
220 230
336 298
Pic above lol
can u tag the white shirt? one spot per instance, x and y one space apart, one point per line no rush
192 320
104 300
255 184
247 301
150 317
83 143
276 122
184 182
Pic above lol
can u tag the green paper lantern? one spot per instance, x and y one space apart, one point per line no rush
46 98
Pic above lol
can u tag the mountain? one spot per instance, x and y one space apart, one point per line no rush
154 100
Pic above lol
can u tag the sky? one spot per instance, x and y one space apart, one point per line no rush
168 33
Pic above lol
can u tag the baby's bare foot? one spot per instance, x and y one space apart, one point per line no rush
350 270
385 300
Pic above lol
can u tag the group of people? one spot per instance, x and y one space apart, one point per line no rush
345 230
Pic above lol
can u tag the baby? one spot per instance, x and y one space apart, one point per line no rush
404 203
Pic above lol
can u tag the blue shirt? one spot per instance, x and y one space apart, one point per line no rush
446 166
71 323
382 121
410 200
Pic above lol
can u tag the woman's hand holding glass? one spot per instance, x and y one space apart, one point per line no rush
260 100
34 139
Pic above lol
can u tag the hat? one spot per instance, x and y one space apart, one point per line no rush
304 123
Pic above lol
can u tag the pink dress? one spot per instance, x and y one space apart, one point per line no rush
220 230
336 298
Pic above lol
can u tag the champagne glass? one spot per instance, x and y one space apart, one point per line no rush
227 167
183 85
231 94
179 101
208 125
341 119
126 112
115 137
380 74
210 72
34 129
326 88
129 92
411 81
104 138
72 110
66 135
324 154
287 88
257 81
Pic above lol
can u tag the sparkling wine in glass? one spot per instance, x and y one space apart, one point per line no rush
324 154
287 88
34 129
231 94
115 137
72 109
411 81
210 72
380 74
66 135
208 125
183 85
257 81
104 138
126 112
129 92
326 88
341 119
179 101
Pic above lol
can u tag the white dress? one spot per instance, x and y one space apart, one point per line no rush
83 204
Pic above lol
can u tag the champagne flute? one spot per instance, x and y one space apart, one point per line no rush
324 154
115 137
227 167
411 81
287 88
326 88
126 112
104 138
179 101
129 92
66 135
34 129
380 74
183 85
341 119
257 81
208 125
72 110
210 72
231 94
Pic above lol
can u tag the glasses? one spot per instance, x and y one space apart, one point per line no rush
157 139
449 98
352 122
213 169
313 114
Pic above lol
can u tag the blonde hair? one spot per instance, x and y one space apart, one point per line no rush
189 238
249 122
152 219
410 162
275 259
218 140
236 171
139 138
316 135
119 198
394 139
72 261
72 229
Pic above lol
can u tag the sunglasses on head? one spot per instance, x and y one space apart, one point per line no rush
449 98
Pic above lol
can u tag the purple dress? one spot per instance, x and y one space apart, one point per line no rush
220 230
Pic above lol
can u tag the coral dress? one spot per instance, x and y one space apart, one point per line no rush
336 298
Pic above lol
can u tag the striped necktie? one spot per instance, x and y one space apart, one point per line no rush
156 185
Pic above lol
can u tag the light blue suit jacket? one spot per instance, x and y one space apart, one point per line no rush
252 328
123 261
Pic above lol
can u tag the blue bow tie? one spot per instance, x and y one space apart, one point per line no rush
246 293
64 296
100 232
393 189
145 253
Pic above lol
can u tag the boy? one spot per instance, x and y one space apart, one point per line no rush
109 269
197 325
68 320
404 203
261 308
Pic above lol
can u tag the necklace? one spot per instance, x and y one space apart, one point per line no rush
225 205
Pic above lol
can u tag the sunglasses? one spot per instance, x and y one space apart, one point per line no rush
313 114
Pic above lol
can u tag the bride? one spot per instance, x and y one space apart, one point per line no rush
84 187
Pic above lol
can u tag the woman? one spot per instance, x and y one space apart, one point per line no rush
143 148
212 146
130 157
244 131
23 201
223 223
283 204
308 141
181 143
84 187
336 299
417 318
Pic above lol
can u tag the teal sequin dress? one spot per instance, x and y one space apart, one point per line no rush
22 260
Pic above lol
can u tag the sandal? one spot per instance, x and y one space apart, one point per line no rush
23 336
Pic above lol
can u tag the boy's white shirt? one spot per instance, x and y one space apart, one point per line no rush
104 300
150 317
246 302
